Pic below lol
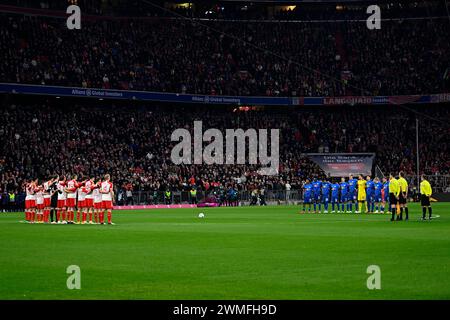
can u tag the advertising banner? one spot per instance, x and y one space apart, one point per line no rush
343 164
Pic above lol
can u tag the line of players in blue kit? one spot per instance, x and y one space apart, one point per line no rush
343 196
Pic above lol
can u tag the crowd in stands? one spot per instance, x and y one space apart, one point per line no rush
229 58
264 58
132 143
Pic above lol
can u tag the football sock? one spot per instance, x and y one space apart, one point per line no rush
429 212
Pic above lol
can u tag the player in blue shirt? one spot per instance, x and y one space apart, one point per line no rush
345 203
378 187
317 189
307 196
334 196
325 195
232 196
352 189
370 191
385 194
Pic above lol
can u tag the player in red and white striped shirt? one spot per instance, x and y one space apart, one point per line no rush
80 200
39 196
47 188
30 200
107 193
89 186
97 196
61 204
71 190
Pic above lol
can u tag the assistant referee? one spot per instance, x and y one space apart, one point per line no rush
394 191
402 200
425 195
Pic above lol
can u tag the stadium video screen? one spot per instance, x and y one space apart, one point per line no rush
224 159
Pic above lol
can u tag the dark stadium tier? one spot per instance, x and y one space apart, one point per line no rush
243 58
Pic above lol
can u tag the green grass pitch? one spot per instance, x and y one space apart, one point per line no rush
233 253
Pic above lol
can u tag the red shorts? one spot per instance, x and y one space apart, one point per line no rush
107 204
61 203
30 204
40 206
97 205
81 204
47 202
89 203
70 202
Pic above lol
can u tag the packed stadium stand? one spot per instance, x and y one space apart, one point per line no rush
285 53
133 141
229 57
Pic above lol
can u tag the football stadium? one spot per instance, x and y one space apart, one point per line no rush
224 150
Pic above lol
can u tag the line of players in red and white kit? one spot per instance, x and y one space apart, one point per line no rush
87 198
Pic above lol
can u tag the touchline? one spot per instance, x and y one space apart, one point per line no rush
235 147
